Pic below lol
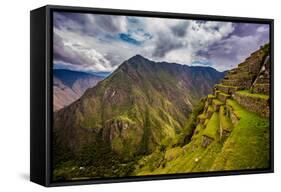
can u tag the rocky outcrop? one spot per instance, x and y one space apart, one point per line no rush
206 141
261 84
123 135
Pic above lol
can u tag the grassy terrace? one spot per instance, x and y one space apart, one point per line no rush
226 86
173 153
211 96
255 95
211 108
212 126
246 148
248 145
217 102
202 116
224 94
197 130
225 121
241 75
206 122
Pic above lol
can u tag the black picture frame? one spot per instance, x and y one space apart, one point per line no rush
41 54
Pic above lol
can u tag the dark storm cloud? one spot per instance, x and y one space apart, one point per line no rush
180 30
65 53
115 59
245 29
71 21
220 51
165 44
108 23
88 24
231 50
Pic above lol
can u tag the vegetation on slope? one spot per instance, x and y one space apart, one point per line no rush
249 136
141 107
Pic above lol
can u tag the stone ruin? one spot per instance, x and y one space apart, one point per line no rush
248 85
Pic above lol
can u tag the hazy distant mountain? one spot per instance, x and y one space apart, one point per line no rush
70 85
141 105
101 74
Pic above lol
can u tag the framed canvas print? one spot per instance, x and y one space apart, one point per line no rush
120 95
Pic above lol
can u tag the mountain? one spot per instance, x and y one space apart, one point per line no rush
232 128
142 105
103 74
69 85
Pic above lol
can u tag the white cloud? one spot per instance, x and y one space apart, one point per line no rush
79 53
262 29
95 43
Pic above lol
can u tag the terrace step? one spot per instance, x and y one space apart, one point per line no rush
223 96
254 102
211 131
261 88
210 97
243 69
216 104
241 76
205 123
201 118
254 66
231 114
241 84
244 63
226 125
263 80
226 89
196 131
232 71
210 111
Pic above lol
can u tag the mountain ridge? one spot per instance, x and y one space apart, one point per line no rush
141 106
69 85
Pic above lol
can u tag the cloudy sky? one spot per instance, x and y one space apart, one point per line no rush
95 43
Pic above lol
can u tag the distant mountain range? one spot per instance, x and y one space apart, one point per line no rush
69 86
103 74
141 105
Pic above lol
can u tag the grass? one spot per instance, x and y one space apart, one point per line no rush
217 102
212 126
224 94
202 116
197 130
206 122
225 121
124 118
211 108
211 96
248 145
255 95
226 86
173 153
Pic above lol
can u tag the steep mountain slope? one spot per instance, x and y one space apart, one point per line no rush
70 85
140 106
232 132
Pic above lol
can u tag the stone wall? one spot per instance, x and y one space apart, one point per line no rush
253 104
